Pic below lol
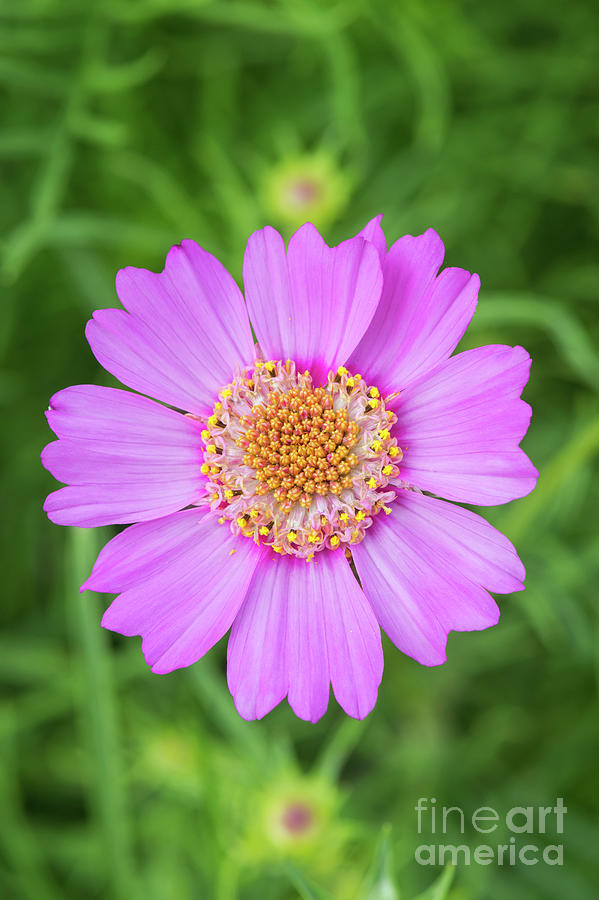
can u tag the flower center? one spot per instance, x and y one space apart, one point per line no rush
297 818
299 467
299 446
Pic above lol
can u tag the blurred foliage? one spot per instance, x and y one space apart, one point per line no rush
130 124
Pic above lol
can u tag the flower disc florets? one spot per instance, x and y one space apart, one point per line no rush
296 466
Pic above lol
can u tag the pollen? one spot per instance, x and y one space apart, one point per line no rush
296 465
299 445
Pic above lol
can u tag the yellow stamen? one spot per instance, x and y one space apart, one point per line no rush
211 448
204 468
387 470
334 541
393 451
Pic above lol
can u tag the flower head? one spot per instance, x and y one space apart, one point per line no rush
262 478
305 186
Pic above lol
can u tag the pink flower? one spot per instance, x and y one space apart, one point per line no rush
266 477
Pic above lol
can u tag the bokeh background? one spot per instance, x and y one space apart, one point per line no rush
127 126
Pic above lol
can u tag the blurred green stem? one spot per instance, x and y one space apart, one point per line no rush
16 839
99 719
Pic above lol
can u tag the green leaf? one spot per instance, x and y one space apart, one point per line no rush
381 884
439 889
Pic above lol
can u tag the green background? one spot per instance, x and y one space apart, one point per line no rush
130 125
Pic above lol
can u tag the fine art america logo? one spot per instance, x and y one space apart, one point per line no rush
523 824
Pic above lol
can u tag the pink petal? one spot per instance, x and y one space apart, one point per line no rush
353 637
124 457
256 654
374 233
182 586
185 332
313 303
421 315
460 427
306 654
303 625
427 568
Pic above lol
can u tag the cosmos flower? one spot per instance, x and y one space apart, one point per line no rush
308 186
289 489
